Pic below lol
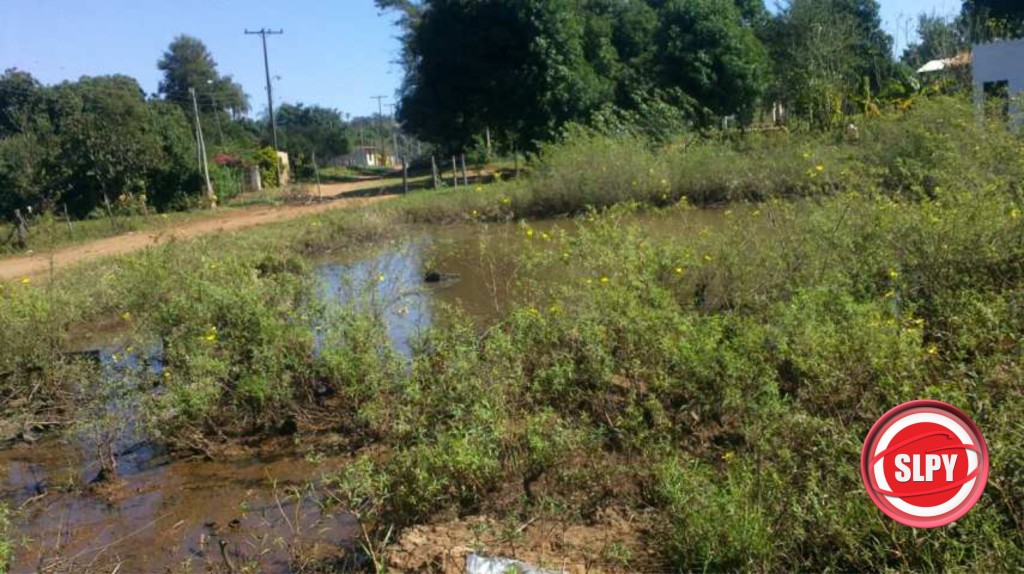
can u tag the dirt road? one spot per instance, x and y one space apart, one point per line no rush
229 219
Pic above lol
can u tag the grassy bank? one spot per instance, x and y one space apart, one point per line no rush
725 380
719 381
939 145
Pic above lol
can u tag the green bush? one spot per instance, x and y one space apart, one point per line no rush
269 166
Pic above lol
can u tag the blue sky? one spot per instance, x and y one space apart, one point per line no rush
336 53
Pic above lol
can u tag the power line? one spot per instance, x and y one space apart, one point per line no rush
263 33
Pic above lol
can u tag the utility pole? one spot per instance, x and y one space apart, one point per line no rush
380 126
202 150
394 130
263 33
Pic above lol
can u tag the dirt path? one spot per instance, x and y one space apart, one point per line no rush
228 220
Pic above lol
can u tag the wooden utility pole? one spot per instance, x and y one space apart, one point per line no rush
380 127
263 33
316 170
202 151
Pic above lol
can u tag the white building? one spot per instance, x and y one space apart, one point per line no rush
998 65
365 156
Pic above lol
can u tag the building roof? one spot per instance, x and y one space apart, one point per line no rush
961 59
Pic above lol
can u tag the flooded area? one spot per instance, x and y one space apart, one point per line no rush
178 515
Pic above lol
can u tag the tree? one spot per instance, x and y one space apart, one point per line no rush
188 64
824 50
715 63
516 67
306 130
938 37
91 142
993 19
26 143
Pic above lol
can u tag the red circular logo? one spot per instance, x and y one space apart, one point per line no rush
924 464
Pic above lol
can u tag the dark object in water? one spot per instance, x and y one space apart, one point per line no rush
438 277
94 355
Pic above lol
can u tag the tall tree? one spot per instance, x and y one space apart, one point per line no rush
710 58
938 37
186 64
823 51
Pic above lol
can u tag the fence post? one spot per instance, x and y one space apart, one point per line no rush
405 174
455 173
67 218
465 179
433 167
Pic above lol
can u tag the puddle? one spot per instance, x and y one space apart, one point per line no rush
165 513
177 514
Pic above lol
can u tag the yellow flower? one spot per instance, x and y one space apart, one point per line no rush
475 213
932 350
819 168
894 274
506 200
1014 213
478 188
380 278
166 374
25 280
127 316
807 155
604 279
679 270
554 309
707 258
545 236
529 233
728 455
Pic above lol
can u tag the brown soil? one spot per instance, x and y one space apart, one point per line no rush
613 543
37 264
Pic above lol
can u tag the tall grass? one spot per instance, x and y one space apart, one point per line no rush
936 145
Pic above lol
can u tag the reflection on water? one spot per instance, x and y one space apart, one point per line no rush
479 264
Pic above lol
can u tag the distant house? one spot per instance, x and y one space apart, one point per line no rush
365 156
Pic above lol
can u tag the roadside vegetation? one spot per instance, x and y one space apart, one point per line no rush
717 381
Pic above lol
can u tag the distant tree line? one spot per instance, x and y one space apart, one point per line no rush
522 69
100 144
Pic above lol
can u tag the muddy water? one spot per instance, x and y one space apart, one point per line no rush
165 514
196 515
